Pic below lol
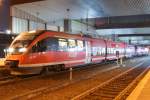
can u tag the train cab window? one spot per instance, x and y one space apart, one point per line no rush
34 49
63 44
80 45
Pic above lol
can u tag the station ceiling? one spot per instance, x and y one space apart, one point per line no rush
56 9
53 10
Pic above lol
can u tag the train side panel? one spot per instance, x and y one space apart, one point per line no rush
98 50
64 51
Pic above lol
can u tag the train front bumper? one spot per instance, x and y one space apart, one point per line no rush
11 64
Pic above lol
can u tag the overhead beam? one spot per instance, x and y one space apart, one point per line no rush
16 2
5 19
133 35
133 21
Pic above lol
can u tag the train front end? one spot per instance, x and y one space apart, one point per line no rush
17 51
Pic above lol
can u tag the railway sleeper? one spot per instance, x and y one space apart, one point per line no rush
94 98
115 87
112 89
123 82
119 84
99 92
101 95
107 96
109 92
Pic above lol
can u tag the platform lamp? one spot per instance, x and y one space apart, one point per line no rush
8 31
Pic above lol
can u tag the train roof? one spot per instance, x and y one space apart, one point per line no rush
79 35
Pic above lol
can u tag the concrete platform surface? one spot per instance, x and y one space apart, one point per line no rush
142 91
2 62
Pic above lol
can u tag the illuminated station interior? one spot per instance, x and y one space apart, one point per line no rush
75 50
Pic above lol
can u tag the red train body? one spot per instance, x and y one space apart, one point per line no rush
32 51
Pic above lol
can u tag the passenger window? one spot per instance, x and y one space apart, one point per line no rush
108 51
63 44
80 45
100 51
39 47
103 51
94 51
52 44
72 45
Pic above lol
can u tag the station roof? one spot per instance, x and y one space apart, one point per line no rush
111 10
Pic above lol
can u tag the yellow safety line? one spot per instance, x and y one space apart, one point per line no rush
137 91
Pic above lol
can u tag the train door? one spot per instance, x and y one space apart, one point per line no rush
117 54
88 51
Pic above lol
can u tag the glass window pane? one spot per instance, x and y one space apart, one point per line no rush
80 45
63 45
72 43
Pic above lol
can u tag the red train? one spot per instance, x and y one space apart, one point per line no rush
32 51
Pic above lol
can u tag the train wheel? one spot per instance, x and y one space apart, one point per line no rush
59 68
44 70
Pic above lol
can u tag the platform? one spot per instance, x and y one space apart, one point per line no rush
142 91
2 62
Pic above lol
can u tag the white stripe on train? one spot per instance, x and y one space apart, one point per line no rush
54 63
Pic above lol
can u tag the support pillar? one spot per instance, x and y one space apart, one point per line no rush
67 25
45 26
28 24
58 27
5 19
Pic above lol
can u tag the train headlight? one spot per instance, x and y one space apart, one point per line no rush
22 49
10 50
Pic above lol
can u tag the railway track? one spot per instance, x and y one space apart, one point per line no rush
13 80
6 78
46 89
9 79
117 88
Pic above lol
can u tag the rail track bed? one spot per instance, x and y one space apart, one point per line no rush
72 90
116 88
52 82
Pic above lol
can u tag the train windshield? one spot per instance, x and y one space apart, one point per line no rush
22 42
